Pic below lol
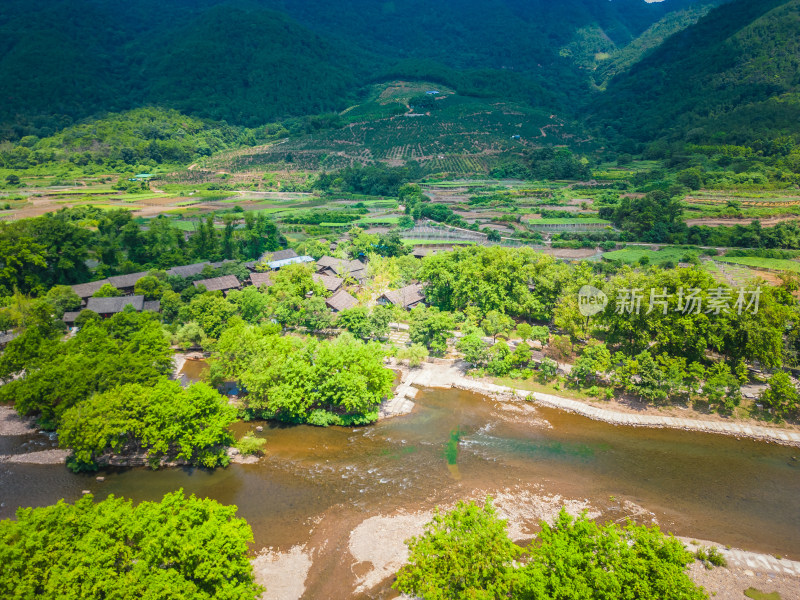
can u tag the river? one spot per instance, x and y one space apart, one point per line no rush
459 445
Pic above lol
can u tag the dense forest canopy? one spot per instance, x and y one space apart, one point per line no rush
728 79
252 62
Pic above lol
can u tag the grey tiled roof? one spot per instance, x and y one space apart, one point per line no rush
85 290
259 279
278 255
196 268
152 305
343 268
188 270
407 296
125 281
227 282
114 305
331 283
217 265
340 301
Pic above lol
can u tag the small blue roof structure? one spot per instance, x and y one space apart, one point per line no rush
277 264
432 92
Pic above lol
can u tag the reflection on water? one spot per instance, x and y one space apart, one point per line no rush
736 492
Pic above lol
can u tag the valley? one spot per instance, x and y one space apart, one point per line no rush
450 300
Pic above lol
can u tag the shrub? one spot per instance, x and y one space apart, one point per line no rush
250 444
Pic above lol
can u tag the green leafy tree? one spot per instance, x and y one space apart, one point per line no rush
211 311
190 335
356 320
415 354
431 328
150 287
21 259
63 299
129 347
722 388
577 558
252 304
547 370
517 282
593 361
302 380
380 317
361 243
464 553
500 361
390 244
316 315
521 355
781 396
107 291
524 331
181 548
171 304
474 349
496 323
295 281
540 333
165 422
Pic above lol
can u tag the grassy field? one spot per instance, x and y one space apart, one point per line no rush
633 255
380 220
777 264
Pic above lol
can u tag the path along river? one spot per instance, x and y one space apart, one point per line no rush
315 485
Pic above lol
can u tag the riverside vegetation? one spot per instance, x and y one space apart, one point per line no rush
583 126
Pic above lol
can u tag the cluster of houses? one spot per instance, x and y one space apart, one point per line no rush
331 272
106 307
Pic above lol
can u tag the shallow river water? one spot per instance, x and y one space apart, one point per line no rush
459 445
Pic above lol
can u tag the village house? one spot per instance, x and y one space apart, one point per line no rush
259 279
126 283
337 267
195 269
106 307
407 298
330 282
219 284
87 290
276 265
340 301
277 255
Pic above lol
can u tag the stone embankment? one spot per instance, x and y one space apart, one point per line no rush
450 374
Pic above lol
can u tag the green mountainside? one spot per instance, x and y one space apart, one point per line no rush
731 78
704 71
251 62
618 60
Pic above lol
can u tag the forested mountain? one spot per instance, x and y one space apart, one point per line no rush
251 62
256 61
731 78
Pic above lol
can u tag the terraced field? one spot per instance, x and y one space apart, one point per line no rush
461 135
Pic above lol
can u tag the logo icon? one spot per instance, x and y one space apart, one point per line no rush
591 300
